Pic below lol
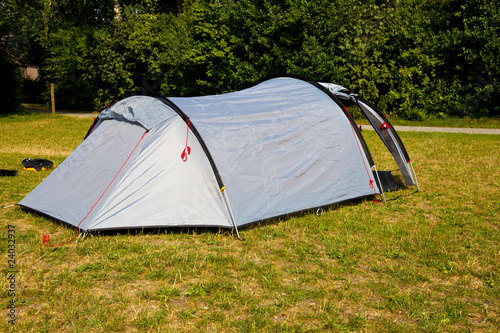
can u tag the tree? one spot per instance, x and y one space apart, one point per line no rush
469 32
412 58
11 82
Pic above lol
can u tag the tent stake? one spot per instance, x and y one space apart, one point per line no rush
81 236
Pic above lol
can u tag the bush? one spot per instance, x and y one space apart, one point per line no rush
32 91
76 95
66 65
413 59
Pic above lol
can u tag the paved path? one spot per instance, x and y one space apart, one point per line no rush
364 127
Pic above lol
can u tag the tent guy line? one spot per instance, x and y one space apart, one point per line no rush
46 238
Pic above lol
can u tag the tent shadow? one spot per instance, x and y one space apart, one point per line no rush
136 231
318 211
203 230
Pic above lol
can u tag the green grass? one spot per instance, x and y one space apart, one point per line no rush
425 262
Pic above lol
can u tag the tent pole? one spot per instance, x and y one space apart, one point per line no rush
414 175
230 210
381 187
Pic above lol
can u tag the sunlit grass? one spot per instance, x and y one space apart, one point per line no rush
424 262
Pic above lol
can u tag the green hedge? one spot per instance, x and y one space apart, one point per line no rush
414 59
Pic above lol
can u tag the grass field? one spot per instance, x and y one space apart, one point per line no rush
424 262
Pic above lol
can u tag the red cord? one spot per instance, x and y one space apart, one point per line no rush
187 150
385 127
46 238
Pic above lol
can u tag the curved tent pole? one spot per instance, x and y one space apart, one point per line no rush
381 118
181 113
354 126
391 139
184 117
357 133
375 172
360 137
230 210
193 129
414 176
384 129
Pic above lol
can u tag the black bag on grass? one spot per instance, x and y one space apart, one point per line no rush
37 164
8 173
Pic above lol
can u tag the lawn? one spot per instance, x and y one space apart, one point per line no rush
423 262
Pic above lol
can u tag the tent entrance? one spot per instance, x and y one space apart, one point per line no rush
387 181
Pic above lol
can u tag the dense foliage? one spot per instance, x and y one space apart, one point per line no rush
412 58
10 74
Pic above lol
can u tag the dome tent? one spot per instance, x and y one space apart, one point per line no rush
284 145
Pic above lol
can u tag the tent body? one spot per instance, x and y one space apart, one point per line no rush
282 146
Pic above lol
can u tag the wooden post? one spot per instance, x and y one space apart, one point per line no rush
52 99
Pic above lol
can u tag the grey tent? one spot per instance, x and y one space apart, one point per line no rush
284 145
